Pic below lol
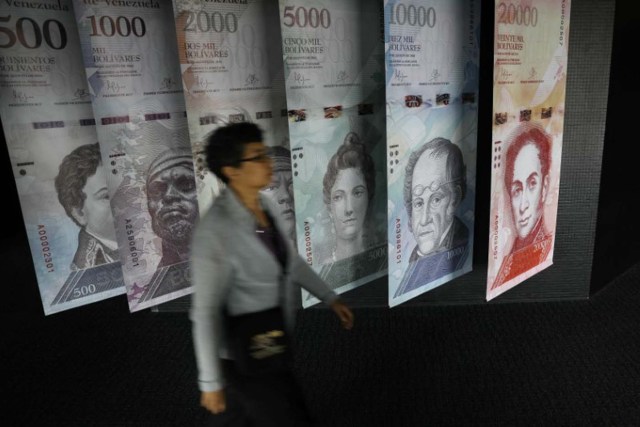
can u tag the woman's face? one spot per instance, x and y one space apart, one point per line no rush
349 201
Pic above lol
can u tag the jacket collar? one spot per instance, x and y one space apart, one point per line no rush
235 208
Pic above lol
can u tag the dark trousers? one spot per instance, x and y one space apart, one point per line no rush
270 401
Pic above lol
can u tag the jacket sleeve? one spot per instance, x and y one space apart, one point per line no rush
211 274
304 275
301 273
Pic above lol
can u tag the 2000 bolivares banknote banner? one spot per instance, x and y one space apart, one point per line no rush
432 106
334 79
131 59
53 148
530 57
231 63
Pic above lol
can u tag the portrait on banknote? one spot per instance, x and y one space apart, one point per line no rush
340 204
527 166
435 184
154 203
172 202
432 65
81 187
348 187
530 66
280 190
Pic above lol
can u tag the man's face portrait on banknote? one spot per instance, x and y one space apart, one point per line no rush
527 179
171 198
95 215
434 188
82 191
433 202
280 190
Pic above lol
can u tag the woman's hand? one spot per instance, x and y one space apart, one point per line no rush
213 401
344 313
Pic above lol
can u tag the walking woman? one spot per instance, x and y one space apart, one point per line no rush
242 265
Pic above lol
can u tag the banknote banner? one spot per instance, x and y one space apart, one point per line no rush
231 64
131 59
53 147
431 58
334 77
530 63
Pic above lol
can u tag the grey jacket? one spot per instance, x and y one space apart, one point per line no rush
229 264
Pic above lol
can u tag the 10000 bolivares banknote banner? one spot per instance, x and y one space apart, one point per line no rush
231 63
530 58
334 78
131 59
52 143
432 87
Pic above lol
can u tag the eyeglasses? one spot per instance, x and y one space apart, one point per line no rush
262 158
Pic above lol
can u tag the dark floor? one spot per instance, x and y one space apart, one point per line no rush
564 363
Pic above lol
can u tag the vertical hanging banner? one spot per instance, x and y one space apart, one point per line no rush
530 57
432 58
53 148
231 64
334 78
131 59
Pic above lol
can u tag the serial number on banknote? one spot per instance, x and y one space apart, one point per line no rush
307 243
46 249
133 251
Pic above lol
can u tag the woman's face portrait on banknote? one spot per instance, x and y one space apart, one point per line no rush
348 187
349 201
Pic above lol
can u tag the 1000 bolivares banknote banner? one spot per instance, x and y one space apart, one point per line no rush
530 56
432 108
131 60
231 63
334 77
53 148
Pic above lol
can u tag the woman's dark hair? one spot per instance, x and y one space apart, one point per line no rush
351 154
225 146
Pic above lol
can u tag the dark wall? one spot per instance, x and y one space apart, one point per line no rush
618 226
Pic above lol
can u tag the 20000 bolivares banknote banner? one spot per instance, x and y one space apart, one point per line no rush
530 56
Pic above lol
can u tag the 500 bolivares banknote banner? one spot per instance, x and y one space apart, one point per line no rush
432 108
131 59
334 77
530 57
53 148
231 63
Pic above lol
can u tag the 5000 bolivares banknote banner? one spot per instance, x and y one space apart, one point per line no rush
231 63
131 59
432 111
53 147
334 78
530 57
